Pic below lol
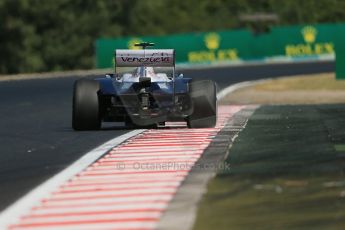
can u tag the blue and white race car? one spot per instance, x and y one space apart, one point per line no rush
144 91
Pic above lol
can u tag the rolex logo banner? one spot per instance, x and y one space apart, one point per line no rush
300 42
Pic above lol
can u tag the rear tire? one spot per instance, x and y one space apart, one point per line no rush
204 102
86 106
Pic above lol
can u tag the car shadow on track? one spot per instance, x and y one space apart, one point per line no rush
118 126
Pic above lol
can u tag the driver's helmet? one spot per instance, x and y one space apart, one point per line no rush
144 71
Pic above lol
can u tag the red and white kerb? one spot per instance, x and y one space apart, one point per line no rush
130 186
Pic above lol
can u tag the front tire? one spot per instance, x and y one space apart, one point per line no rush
86 106
204 102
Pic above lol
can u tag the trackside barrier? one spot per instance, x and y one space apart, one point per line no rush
340 54
291 43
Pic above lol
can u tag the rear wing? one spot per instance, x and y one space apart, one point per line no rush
145 57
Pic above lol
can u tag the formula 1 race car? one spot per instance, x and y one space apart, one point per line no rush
144 91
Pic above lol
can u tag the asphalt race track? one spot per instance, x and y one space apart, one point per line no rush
36 139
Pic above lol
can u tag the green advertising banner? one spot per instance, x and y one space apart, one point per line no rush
340 53
295 42
305 40
190 48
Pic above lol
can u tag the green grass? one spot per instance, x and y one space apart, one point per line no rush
286 172
308 82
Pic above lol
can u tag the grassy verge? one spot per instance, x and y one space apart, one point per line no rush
287 172
310 89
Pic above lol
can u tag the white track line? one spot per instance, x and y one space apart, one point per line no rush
237 86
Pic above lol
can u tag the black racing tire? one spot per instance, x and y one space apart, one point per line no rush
86 106
204 103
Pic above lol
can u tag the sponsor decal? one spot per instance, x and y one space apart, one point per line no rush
146 59
156 57
310 45
149 57
212 42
